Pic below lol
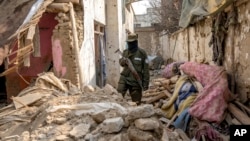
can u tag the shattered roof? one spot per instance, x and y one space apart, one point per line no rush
13 13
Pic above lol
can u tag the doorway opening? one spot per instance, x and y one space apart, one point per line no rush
100 61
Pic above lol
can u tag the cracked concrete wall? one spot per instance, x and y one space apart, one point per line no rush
191 44
116 29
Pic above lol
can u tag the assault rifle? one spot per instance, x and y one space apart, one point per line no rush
131 68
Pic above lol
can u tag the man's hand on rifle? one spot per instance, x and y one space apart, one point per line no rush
123 61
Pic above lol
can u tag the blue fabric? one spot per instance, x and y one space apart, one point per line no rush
186 89
182 120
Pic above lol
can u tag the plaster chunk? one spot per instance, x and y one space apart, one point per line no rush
98 117
135 134
147 124
109 90
88 89
141 112
112 125
42 136
80 130
25 136
60 120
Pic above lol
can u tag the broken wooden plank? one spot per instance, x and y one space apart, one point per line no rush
7 113
9 70
156 98
11 119
36 43
76 46
30 34
182 134
229 119
167 93
172 119
26 99
244 119
6 108
235 122
242 106
163 119
151 94
26 62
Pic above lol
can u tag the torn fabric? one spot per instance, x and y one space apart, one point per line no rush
211 102
192 9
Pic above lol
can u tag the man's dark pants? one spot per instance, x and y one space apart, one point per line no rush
134 91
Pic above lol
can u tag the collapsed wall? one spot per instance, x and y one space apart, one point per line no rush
55 109
64 57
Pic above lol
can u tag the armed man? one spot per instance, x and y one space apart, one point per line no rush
135 74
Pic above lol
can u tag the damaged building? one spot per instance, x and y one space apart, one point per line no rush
74 39
60 69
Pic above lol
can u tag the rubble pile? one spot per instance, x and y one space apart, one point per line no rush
161 90
54 109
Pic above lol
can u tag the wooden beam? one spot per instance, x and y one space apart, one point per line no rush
30 34
172 120
156 98
235 122
36 43
76 45
167 93
244 119
242 106
26 61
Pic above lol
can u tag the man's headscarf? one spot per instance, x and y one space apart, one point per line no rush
132 41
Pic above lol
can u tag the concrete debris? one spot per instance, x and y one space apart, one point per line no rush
141 112
99 117
139 135
117 138
88 89
80 130
112 125
108 89
25 136
147 124
64 113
